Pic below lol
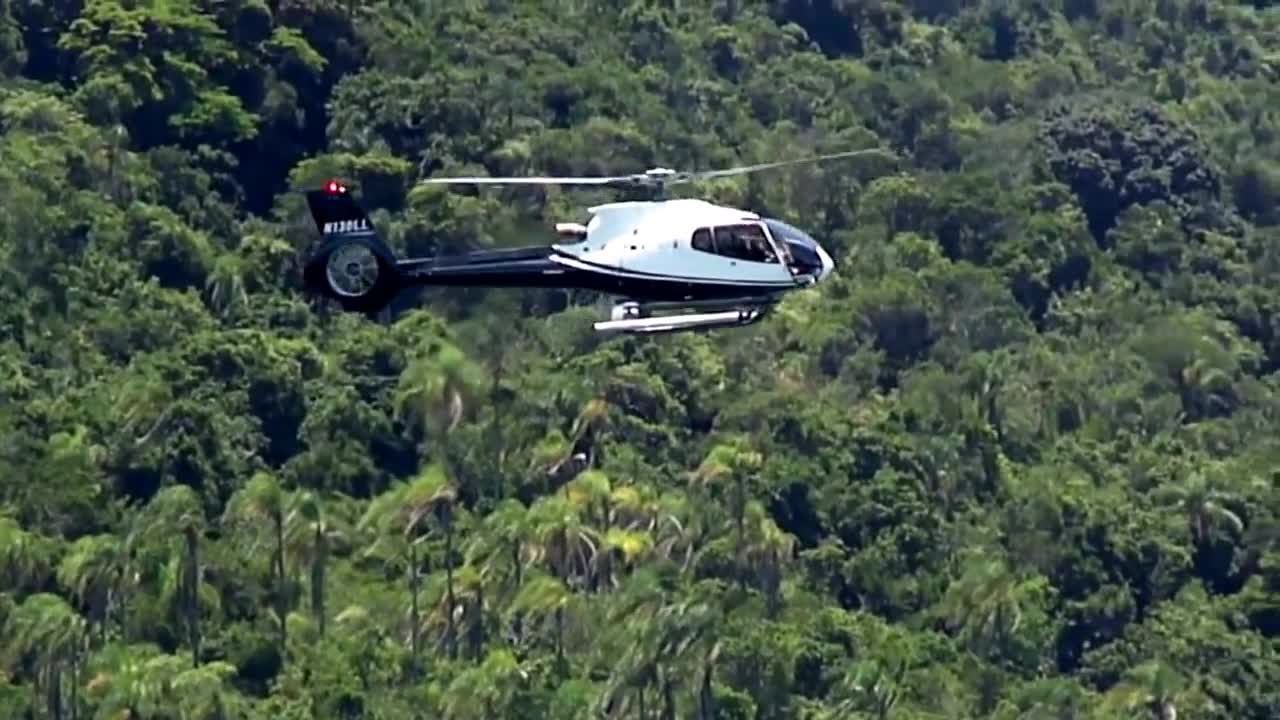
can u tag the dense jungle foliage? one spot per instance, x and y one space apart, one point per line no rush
1016 459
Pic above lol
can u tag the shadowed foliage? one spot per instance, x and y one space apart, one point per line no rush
1014 460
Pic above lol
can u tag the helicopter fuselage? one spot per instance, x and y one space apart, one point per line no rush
663 251
672 252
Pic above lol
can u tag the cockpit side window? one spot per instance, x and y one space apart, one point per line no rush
745 242
702 240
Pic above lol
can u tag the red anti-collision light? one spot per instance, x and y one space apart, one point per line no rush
335 187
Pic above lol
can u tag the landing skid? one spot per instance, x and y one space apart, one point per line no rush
636 319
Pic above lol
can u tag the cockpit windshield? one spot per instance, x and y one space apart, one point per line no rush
802 248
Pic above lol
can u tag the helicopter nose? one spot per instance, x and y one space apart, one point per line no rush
827 263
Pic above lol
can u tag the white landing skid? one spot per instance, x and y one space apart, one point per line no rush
677 323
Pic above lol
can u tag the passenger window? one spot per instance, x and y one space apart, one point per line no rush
744 242
702 240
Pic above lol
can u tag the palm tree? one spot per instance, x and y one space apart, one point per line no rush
364 641
553 455
638 522
391 544
498 550
176 511
1052 697
310 533
543 595
634 659
206 692
471 580
676 529
144 405
1202 502
46 632
225 286
632 507
706 691
634 671
132 680
26 558
666 638
142 681
590 493
685 633
620 544
563 539
986 603
883 674
734 462
1157 686
404 508
70 478
434 389
260 499
550 457
432 492
592 419
689 634
486 690
769 550
94 572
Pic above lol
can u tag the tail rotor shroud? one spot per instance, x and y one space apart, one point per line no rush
352 266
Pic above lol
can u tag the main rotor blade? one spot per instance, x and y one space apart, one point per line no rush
655 177
524 180
744 169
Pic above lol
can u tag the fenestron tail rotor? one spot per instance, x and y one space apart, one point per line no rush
654 178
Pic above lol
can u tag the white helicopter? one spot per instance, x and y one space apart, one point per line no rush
709 265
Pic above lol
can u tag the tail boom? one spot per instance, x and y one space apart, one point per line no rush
516 268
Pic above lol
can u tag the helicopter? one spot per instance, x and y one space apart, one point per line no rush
672 264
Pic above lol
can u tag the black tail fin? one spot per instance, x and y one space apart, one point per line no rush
335 212
347 231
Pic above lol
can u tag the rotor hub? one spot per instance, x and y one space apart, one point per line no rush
352 270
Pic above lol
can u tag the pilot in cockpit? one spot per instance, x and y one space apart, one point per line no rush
758 246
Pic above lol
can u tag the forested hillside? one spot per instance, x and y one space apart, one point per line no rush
1016 459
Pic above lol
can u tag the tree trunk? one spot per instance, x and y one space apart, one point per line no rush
517 621
605 572
772 572
740 510
77 680
318 577
413 592
451 640
478 638
706 698
282 606
560 634
53 694
668 698
191 593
